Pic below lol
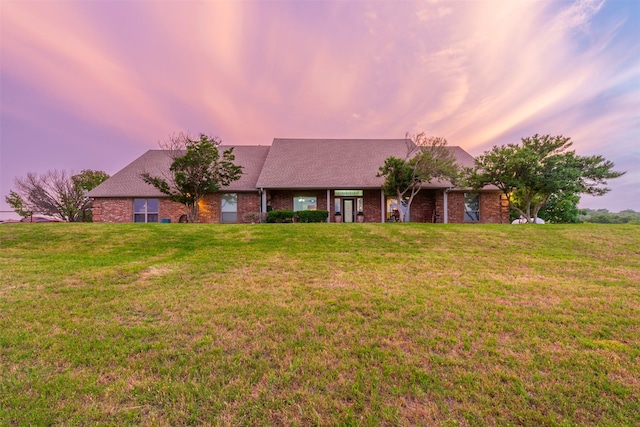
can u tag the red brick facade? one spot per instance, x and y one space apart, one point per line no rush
121 209
422 208
493 207
427 206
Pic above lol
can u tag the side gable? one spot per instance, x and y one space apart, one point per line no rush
128 183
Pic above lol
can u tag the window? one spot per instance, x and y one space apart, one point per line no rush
471 207
145 210
396 210
347 193
229 207
305 203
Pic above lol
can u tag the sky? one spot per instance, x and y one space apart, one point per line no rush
95 84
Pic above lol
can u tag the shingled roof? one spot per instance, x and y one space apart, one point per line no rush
127 182
287 163
336 163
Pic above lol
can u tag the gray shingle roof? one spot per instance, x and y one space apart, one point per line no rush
127 182
335 163
287 163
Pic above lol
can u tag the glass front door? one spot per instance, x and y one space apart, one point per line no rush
347 210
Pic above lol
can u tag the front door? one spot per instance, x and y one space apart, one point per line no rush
347 210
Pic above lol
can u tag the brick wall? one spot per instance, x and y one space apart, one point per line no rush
439 206
121 209
210 207
423 206
248 203
372 208
169 209
283 199
493 207
112 210
455 202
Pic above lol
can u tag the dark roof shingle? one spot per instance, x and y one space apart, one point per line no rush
336 163
128 183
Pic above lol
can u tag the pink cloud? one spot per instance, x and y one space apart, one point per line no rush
478 73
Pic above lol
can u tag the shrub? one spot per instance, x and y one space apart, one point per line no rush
313 216
253 217
284 215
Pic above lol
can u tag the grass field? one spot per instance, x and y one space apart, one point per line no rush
319 324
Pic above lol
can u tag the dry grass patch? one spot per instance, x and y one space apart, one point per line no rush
314 324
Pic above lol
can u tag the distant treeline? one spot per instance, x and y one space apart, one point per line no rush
603 216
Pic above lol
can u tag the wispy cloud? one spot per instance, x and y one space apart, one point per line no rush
478 73
578 14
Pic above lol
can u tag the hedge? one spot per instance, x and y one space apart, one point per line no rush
312 216
284 215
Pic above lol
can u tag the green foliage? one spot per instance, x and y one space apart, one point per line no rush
561 208
18 204
313 216
603 216
532 173
55 193
283 215
197 170
428 158
89 179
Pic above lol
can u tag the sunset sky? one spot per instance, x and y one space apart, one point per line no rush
94 84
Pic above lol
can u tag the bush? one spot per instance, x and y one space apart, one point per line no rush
284 215
253 217
313 216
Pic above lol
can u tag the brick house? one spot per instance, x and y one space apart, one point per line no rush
337 175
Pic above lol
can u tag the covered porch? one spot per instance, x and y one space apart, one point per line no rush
352 205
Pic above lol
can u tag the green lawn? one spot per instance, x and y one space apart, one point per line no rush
319 324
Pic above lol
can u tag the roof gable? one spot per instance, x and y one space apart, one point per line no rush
336 163
128 183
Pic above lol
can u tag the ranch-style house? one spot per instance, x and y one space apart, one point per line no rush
337 175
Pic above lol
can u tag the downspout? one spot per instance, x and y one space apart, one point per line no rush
445 202
382 206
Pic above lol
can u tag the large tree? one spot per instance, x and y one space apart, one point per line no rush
539 169
197 169
55 193
427 158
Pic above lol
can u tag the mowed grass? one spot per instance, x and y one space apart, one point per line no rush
319 324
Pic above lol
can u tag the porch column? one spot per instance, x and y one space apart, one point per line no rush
383 205
263 195
329 204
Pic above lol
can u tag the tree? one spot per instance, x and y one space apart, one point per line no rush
197 169
427 158
55 193
562 208
531 174
86 181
